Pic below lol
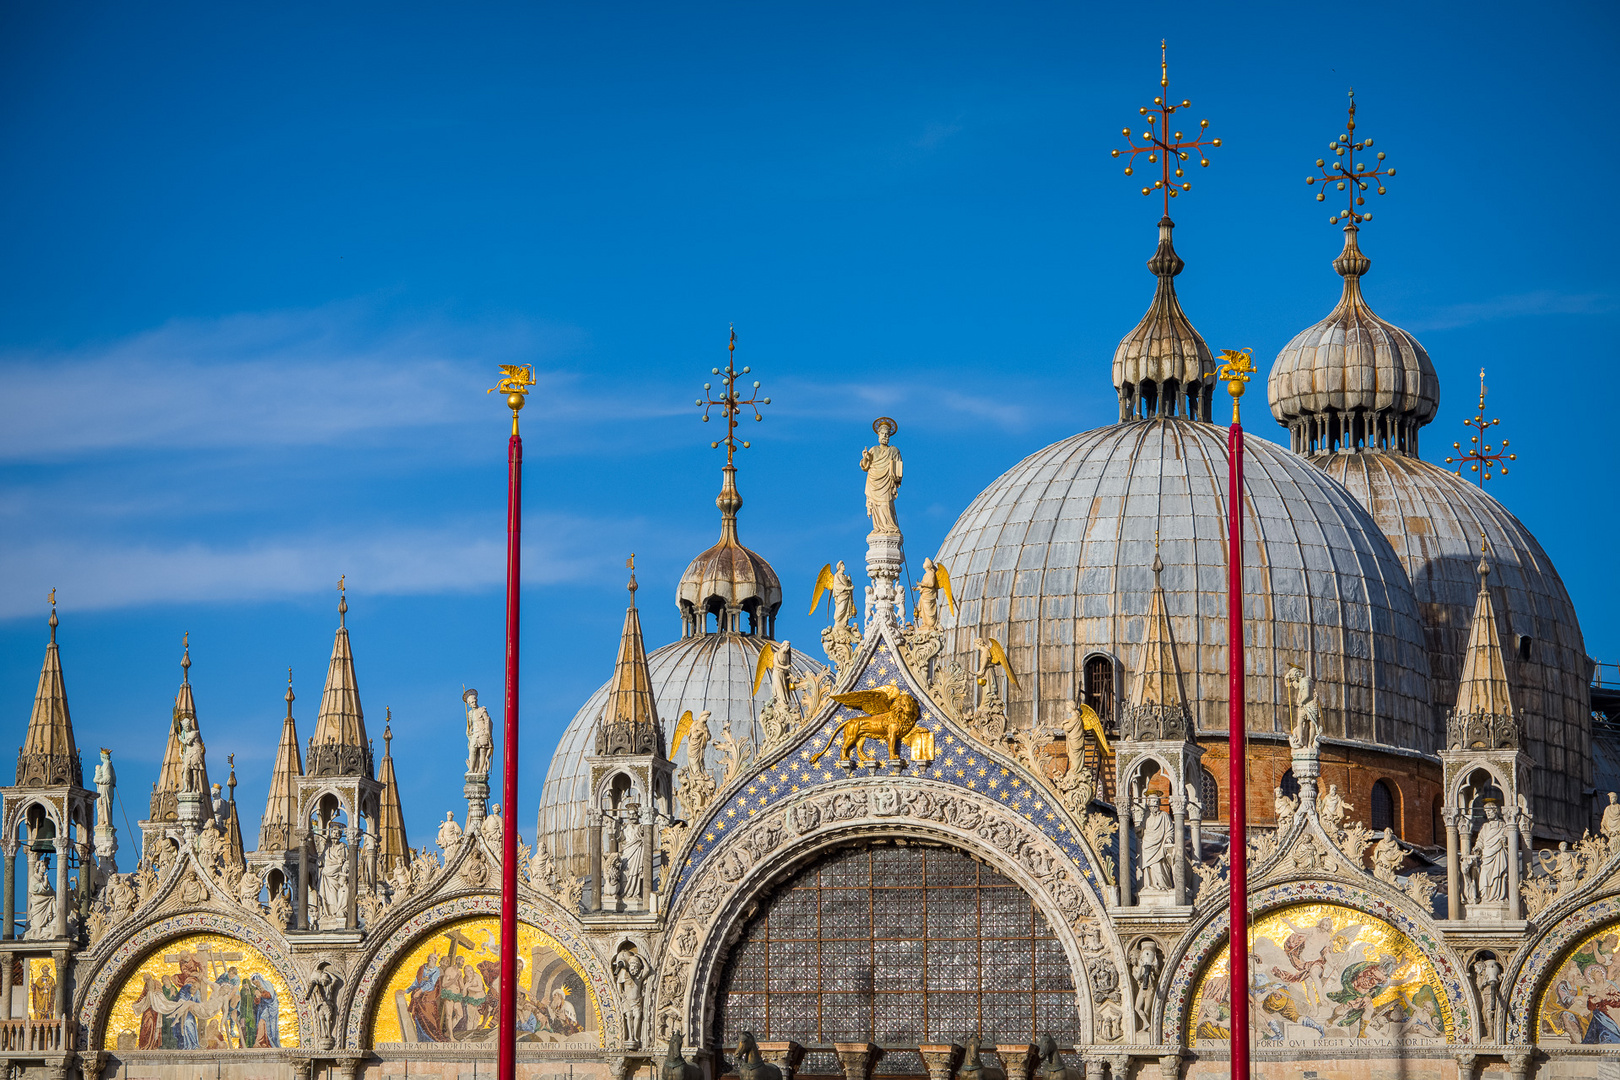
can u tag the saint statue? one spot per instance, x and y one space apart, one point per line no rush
697 742
782 672
630 971
333 892
194 773
1145 965
1387 857
480 736
1333 809
843 591
1285 806
1159 847
105 780
883 474
1307 730
1493 844
41 904
1610 825
634 849
449 831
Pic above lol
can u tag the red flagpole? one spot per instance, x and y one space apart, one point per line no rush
1235 372
507 1062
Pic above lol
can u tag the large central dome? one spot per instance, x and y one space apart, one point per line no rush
1053 559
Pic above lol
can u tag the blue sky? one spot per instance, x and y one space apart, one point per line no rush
260 265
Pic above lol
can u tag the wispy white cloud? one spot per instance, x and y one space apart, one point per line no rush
1540 302
92 574
283 378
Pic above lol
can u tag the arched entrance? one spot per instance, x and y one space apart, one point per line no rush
900 944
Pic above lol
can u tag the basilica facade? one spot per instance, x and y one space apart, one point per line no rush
979 830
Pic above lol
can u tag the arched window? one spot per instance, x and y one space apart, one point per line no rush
1289 784
1209 790
1381 807
901 946
1098 688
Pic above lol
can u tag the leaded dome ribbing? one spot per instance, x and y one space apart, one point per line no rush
1353 379
1163 367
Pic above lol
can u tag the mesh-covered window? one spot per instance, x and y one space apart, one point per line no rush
901 946
1381 814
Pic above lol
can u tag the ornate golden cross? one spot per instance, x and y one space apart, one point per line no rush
730 402
1351 177
1164 148
1481 460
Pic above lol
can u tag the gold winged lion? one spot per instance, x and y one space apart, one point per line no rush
890 714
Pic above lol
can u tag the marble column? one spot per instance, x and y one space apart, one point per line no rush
1125 872
1178 866
10 930
5 986
63 900
593 859
649 856
1454 902
58 1006
1514 911
301 894
351 917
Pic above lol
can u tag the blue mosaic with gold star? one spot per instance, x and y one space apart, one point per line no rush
937 750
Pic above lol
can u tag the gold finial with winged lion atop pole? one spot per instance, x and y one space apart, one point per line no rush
515 383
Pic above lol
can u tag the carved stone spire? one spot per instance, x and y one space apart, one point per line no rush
276 831
49 756
1484 716
233 825
340 747
392 847
172 774
1164 367
1157 709
629 723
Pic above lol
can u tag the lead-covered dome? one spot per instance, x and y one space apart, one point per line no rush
1353 379
1054 559
1435 520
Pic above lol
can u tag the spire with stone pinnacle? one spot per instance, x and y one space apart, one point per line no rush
1484 716
49 756
392 847
234 852
1164 368
339 746
276 831
629 723
1157 709
172 773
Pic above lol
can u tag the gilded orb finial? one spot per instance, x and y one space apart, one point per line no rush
1351 176
1163 147
1236 371
1481 458
631 585
515 382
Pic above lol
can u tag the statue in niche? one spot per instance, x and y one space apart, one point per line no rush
1488 980
322 996
884 472
480 737
333 892
1145 965
1492 844
1307 730
1159 846
41 903
633 849
105 780
630 972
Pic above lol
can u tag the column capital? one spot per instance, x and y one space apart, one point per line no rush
941 1059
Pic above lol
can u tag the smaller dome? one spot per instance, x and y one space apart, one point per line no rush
1353 380
729 580
1163 368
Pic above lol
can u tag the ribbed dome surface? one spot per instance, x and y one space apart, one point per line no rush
708 671
1355 368
1433 518
1054 559
729 573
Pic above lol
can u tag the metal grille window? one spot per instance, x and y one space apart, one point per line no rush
1099 688
901 946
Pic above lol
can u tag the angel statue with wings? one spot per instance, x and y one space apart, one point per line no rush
992 656
934 581
843 593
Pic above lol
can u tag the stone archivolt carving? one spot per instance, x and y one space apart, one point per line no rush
712 901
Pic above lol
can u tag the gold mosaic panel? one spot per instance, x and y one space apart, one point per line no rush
1581 1001
203 992
41 975
445 990
1323 975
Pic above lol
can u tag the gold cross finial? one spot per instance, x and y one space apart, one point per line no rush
1480 458
53 598
1352 177
730 402
515 382
1163 147
341 579
632 586
1236 371
631 561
